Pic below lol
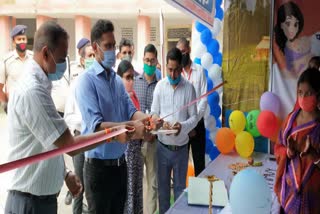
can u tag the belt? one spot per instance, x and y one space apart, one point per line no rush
29 195
172 147
107 162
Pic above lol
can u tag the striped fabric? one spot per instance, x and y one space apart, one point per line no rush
34 125
167 100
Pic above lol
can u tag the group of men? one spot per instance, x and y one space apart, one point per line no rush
98 101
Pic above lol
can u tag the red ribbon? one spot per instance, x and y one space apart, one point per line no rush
53 153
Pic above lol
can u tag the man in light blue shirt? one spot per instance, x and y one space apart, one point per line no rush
103 102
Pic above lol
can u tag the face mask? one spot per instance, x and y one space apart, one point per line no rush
185 59
88 62
109 58
127 57
21 47
60 69
149 69
174 81
308 104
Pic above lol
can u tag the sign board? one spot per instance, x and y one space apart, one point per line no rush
203 10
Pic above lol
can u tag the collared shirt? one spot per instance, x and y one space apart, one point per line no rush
72 114
199 82
101 97
11 68
167 100
144 91
34 125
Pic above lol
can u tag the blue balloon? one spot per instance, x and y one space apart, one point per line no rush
219 13
218 123
217 59
214 153
227 115
197 61
253 186
209 84
215 110
209 146
206 37
213 98
200 27
213 47
218 3
205 72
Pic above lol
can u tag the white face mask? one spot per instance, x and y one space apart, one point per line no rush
127 57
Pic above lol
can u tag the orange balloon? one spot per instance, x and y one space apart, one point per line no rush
190 173
225 140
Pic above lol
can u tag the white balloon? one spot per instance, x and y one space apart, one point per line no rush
217 82
195 36
217 25
206 60
211 123
213 136
199 49
214 72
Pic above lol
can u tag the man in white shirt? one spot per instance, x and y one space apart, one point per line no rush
171 94
72 116
35 127
194 74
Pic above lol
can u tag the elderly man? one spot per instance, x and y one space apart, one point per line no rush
12 64
35 127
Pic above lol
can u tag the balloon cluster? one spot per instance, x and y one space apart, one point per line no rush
264 122
206 50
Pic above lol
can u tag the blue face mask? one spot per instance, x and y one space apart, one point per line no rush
60 69
174 81
109 58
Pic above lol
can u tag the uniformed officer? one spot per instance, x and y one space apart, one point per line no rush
12 64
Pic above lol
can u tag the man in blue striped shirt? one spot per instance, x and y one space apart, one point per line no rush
104 102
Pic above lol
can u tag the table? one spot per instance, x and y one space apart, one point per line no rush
219 168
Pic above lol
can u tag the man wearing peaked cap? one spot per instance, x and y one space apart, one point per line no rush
73 117
12 64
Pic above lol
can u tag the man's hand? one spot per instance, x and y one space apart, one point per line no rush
139 130
192 133
125 137
176 126
74 184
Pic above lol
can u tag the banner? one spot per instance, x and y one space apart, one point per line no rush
296 34
203 10
246 47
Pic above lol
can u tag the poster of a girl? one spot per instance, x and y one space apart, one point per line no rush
297 150
296 50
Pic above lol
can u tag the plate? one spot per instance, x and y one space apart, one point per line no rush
165 131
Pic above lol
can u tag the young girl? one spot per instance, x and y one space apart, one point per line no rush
297 183
134 156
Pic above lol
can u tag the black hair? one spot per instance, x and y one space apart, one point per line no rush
314 62
287 9
101 26
150 48
123 67
175 55
312 77
125 42
49 34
